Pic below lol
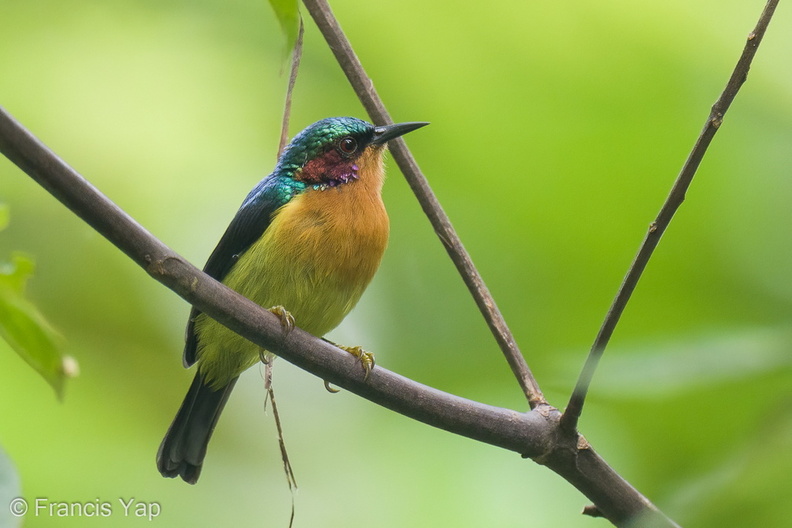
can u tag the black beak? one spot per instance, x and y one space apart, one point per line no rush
383 134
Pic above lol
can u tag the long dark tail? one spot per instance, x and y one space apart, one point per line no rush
183 449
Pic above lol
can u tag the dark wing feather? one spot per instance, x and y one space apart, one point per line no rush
249 223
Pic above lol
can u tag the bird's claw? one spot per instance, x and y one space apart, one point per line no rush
286 318
366 359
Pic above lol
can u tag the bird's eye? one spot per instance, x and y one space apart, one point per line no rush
348 145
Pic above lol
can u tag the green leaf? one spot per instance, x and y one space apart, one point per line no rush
288 15
26 330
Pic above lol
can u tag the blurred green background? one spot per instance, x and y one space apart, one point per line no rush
557 130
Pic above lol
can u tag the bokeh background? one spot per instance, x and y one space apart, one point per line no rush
557 130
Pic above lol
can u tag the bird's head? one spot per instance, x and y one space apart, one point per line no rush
336 150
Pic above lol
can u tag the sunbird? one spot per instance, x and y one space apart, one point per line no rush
305 243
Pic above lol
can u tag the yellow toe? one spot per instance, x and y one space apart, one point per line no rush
366 358
286 318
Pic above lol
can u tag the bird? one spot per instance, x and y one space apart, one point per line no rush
304 244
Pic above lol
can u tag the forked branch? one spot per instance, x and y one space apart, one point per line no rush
536 434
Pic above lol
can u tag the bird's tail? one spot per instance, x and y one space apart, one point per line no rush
184 447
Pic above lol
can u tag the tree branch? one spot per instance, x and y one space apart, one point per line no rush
501 427
364 88
657 228
535 434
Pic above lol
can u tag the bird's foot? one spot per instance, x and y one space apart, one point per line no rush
366 360
286 318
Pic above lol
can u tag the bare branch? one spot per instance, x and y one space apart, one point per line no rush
658 227
296 56
364 88
535 434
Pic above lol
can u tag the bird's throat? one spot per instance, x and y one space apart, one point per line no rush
332 169
329 170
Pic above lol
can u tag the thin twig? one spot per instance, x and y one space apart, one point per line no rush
656 229
268 362
296 56
364 88
287 467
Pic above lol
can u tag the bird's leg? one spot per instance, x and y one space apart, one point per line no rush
366 361
286 318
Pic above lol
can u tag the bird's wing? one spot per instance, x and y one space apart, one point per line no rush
249 223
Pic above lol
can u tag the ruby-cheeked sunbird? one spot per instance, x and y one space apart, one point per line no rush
306 241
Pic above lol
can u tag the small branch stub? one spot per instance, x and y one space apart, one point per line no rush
591 511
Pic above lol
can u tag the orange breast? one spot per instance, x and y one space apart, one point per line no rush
315 259
321 250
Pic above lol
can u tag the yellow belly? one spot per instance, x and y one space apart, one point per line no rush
315 259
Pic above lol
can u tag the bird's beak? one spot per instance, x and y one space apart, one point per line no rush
383 134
